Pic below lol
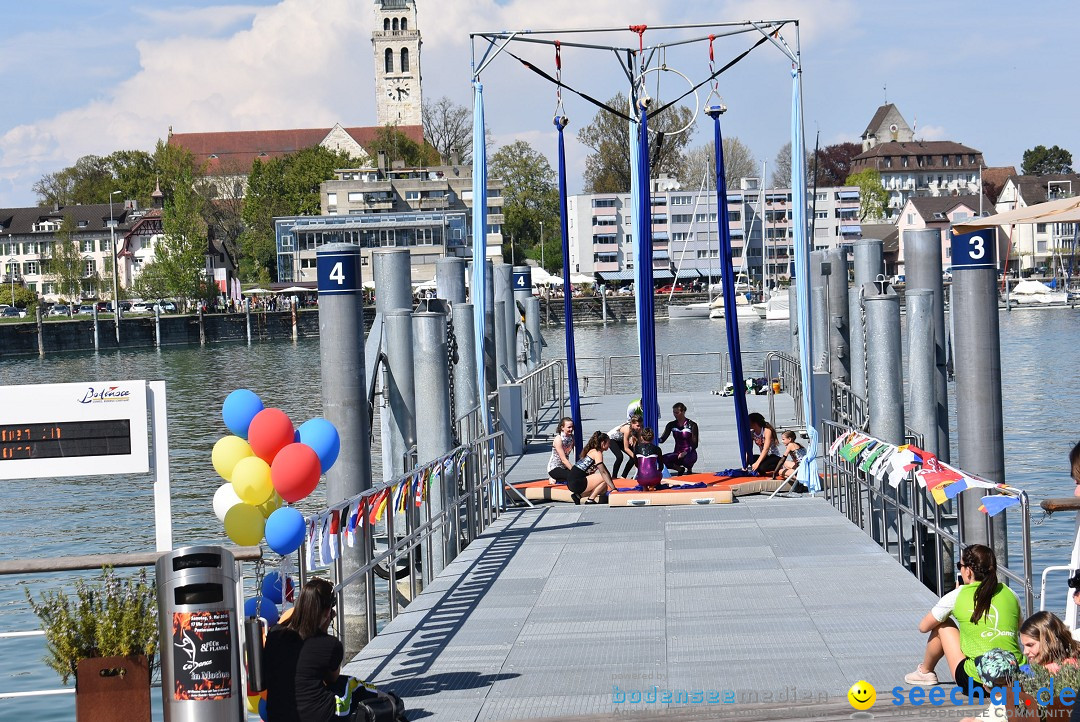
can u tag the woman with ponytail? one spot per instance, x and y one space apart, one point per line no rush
985 615
589 476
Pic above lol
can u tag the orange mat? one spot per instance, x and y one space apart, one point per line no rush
719 490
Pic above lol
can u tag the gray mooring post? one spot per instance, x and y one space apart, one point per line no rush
96 335
836 284
392 273
793 318
433 437
819 337
345 405
532 328
856 343
399 424
40 332
466 395
922 409
885 401
450 279
869 260
157 325
501 354
491 369
979 422
923 269
202 327
295 330
247 318
522 293
504 316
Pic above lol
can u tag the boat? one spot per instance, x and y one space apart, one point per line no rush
775 309
1034 294
743 308
689 310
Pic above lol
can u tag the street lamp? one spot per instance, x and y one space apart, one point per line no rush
11 274
112 248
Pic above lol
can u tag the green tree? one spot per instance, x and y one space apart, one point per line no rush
873 198
180 254
93 179
607 168
66 264
24 298
1041 160
400 147
530 196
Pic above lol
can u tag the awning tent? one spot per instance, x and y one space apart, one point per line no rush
1063 210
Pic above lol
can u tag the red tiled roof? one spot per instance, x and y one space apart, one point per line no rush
234 151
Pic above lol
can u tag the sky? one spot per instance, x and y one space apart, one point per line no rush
93 76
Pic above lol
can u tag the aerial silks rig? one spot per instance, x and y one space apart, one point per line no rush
640 62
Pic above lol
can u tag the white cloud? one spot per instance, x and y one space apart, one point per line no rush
930 132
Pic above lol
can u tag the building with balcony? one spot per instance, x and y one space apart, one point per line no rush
936 213
685 231
427 210
1034 245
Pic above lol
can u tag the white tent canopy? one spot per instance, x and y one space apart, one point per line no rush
1063 210
256 292
295 289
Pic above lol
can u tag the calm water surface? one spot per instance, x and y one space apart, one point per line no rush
41 518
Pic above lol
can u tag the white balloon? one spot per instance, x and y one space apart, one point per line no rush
225 498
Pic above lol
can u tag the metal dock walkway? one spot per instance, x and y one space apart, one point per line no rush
559 610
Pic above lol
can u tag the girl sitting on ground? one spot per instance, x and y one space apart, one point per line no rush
624 438
765 438
562 452
685 431
650 464
985 614
589 476
793 454
1047 642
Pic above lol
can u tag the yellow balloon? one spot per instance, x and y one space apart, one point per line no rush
244 524
271 505
227 452
253 703
251 480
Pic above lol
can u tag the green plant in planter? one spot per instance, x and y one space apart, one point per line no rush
1057 678
111 617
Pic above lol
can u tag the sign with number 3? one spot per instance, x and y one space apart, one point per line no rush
975 250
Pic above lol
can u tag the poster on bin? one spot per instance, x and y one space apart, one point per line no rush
202 655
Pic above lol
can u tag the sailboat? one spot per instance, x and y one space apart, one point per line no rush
701 309
776 308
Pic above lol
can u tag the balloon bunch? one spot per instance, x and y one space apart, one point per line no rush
266 464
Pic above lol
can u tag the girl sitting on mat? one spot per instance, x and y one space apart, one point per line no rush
766 440
649 459
682 460
562 452
624 438
589 475
793 454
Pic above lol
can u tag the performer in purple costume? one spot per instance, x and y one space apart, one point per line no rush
647 456
685 431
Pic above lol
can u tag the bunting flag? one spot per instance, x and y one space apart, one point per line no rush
871 457
310 547
994 505
375 506
418 489
335 534
325 555
355 512
384 499
403 496
953 490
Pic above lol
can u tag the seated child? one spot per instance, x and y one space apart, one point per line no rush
793 454
649 460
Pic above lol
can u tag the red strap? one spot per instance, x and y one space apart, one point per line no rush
711 38
558 55
640 30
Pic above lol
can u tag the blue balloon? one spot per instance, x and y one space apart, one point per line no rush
323 437
285 530
262 709
239 409
273 589
266 609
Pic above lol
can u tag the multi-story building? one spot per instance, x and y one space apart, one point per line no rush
396 42
1033 245
939 214
915 168
427 210
685 230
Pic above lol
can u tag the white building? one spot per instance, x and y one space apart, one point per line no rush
396 42
1033 245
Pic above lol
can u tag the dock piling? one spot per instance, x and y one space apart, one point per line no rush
836 284
157 325
532 329
450 279
399 423
466 394
504 317
97 338
40 332
247 318
922 254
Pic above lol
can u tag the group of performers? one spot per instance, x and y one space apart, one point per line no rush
635 447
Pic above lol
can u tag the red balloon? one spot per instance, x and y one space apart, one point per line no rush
295 472
270 431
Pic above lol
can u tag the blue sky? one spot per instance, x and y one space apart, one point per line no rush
92 76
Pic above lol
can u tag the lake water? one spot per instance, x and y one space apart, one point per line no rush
42 518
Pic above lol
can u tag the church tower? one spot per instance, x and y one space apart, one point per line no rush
396 41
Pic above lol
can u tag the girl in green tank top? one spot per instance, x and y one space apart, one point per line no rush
979 615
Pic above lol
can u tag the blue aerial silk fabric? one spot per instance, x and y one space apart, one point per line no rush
731 319
568 308
479 245
808 467
643 271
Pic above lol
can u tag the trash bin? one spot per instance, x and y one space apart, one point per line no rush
201 678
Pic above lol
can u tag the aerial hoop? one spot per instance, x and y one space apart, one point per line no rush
643 97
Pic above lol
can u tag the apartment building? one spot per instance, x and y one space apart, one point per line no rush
1033 245
685 231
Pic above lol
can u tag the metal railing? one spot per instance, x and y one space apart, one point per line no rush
543 391
622 374
790 378
910 525
96 562
848 407
410 548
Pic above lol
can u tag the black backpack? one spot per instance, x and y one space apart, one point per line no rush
383 707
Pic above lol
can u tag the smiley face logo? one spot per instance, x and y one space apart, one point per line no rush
862 695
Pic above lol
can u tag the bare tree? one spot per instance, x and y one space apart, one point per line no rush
738 163
448 127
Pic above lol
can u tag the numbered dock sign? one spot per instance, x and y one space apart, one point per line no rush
975 250
523 280
338 271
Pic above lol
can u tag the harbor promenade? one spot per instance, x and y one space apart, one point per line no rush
761 609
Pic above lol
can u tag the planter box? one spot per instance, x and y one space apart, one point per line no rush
113 689
1028 711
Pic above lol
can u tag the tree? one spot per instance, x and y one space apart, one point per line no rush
93 179
833 164
531 195
607 169
781 176
873 198
400 147
66 263
738 163
180 254
448 127
1041 160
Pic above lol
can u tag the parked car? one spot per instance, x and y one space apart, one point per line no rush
140 308
166 306
897 279
86 309
669 288
59 310
10 312
946 275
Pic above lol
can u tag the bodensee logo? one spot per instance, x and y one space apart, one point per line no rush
112 393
